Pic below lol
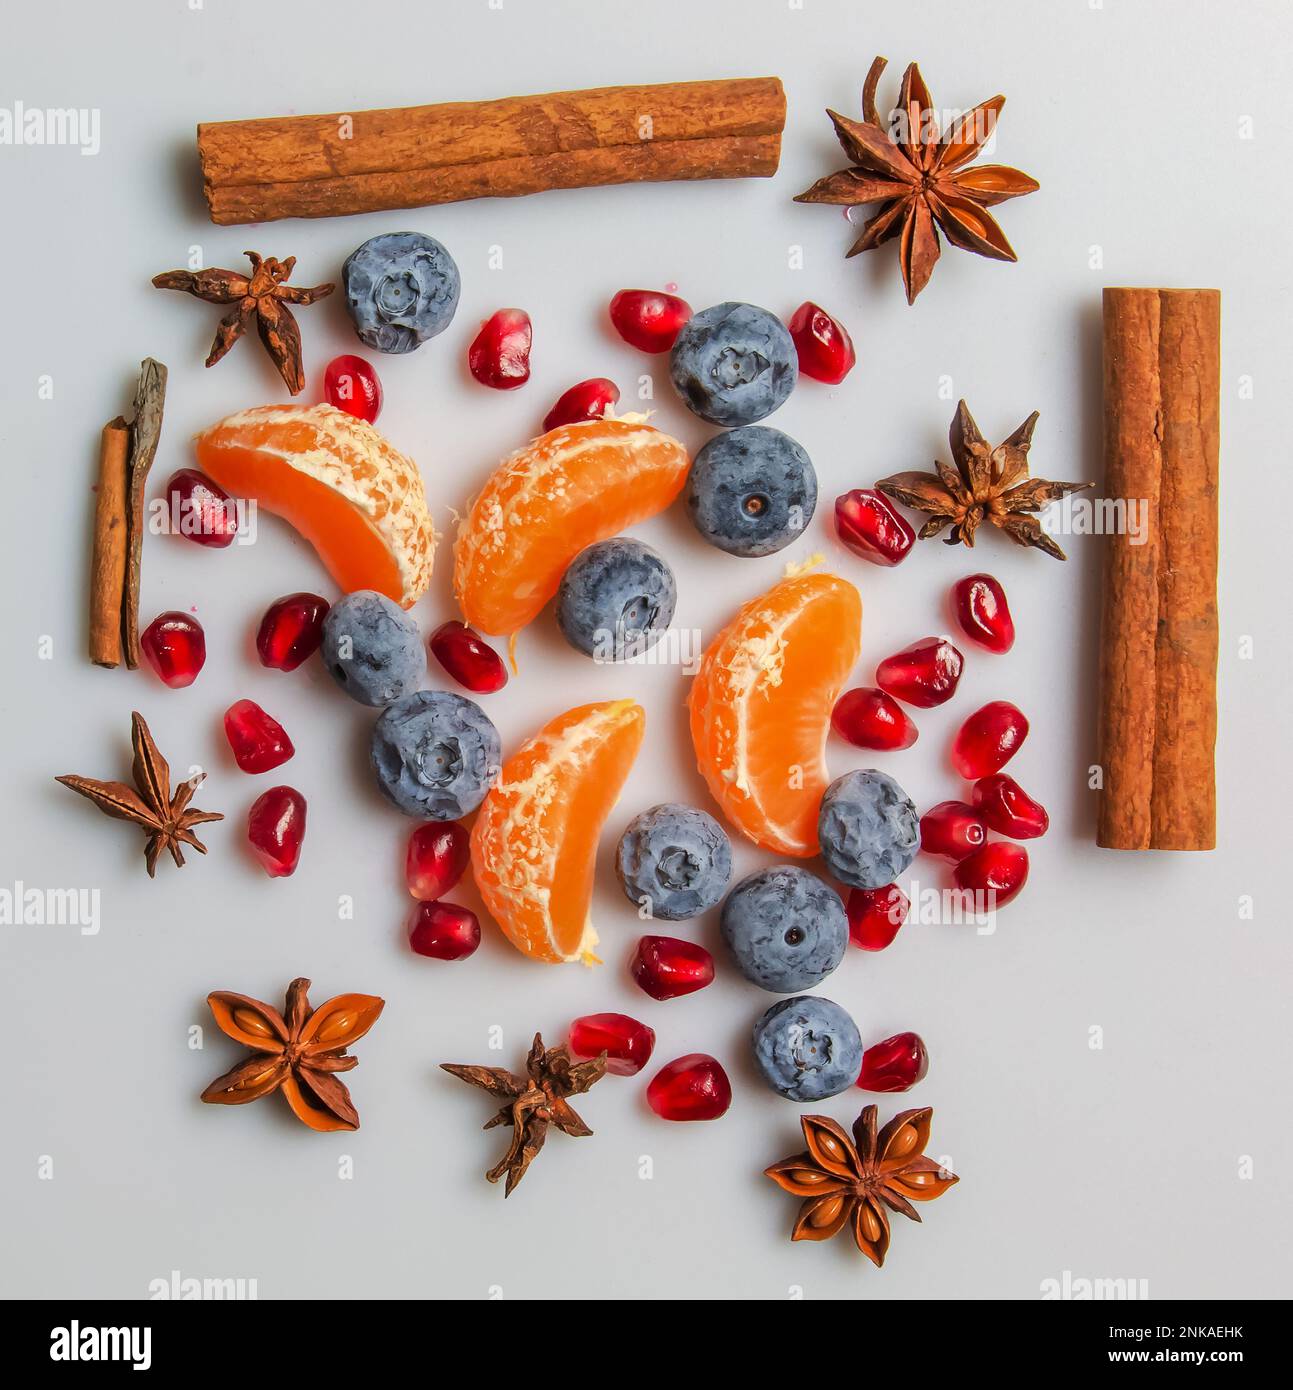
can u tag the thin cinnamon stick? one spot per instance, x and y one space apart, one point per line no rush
145 432
108 559
367 161
1158 710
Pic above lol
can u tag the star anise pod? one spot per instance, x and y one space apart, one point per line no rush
850 1182
298 1052
262 298
149 803
922 178
987 483
533 1102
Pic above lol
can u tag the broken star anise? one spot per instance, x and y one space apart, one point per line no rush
533 1102
987 483
298 1052
261 298
168 819
850 1182
921 177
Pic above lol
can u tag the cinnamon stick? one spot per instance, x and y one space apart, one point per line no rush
368 161
145 432
108 559
1158 710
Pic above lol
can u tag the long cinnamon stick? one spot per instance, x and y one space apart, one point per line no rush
1158 710
145 432
367 161
108 559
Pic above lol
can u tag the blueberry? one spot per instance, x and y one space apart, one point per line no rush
401 289
675 860
436 754
616 599
752 491
372 648
807 1048
786 928
868 828
734 364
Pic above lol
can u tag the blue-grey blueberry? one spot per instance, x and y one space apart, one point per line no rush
752 490
807 1048
616 599
733 364
401 288
868 829
786 928
372 648
675 860
436 754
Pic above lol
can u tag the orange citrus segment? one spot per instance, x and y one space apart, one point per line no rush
570 487
339 482
761 705
534 844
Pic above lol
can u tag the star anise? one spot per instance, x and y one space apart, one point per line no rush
987 483
298 1052
533 1102
850 1182
168 819
263 298
922 178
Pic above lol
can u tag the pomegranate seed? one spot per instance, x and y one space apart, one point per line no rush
291 631
649 320
998 871
952 830
276 830
1008 809
868 718
983 612
443 931
823 344
866 522
500 355
201 510
925 674
351 384
875 915
259 742
437 858
988 739
667 967
175 646
588 400
468 658
895 1064
694 1087
628 1044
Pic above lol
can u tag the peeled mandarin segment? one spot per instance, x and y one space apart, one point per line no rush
534 843
570 487
761 704
339 482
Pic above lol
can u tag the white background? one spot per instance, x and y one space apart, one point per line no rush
1158 133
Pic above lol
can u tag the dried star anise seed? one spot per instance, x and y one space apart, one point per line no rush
986 484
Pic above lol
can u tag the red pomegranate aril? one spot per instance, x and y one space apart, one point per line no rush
994 873
988 739
351 384
925 674
201 510
952 830
437 857
895 1064
628 1044
823 344
259 741
868 718
291 631
694 1087
276 830
500 353
175 646
876 915
1008 809
468 658
443 931
667 967
587 400
983 612
867 523
648 319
